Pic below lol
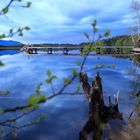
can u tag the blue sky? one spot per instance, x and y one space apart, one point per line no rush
64 21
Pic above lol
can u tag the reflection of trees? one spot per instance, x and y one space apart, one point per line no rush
135 73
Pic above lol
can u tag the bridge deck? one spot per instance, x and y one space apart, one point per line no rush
57 48
78 47
65 49
136 49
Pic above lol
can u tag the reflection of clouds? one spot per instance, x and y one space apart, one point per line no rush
66 115
22 74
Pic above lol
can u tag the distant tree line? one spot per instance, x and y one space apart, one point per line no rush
122 40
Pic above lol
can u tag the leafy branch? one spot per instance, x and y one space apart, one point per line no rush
5 10
50 80
13 32
36 99
19 32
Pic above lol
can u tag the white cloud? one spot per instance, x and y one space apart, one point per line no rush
53 19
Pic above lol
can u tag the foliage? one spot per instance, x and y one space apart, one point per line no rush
67 80
135 28
38 88
4 92
50 77
10 125
78 63
34 100
107 33
50 80
74 72
122 40
1 64
18 31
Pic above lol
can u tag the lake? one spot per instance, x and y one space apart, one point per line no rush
66 114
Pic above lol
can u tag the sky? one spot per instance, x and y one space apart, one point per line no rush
65 21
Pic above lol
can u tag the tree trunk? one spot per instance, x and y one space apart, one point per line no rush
98 112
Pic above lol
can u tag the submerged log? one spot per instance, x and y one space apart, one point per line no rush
99 113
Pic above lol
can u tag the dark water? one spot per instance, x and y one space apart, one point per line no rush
7 52
66 114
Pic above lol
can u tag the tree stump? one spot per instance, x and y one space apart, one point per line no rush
99 113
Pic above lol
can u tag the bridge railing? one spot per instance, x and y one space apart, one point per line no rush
31 49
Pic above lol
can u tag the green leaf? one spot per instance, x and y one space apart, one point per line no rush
107 33
81 54
20 34
67 80
1 64
27 28
5 10
11 31
102 65
2 36
89 48
53 77
78 87
49 73
19 30
38 88
36 99
48 81
28 4
74 72
78 63
86 35
94 23
4 92
96 30
19 0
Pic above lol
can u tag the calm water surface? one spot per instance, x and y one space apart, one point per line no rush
66 114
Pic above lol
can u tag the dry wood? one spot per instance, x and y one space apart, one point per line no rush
99 113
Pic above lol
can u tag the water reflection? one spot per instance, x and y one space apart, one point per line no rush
66 115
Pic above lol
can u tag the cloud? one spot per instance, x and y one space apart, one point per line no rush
65 21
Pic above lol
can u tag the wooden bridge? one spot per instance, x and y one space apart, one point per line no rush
37 49
99 50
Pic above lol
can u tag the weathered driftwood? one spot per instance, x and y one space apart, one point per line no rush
99 113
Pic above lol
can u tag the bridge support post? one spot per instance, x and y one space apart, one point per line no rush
35 51
30 51
65 51
98 51
118 50
49 50
81 50
121 50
